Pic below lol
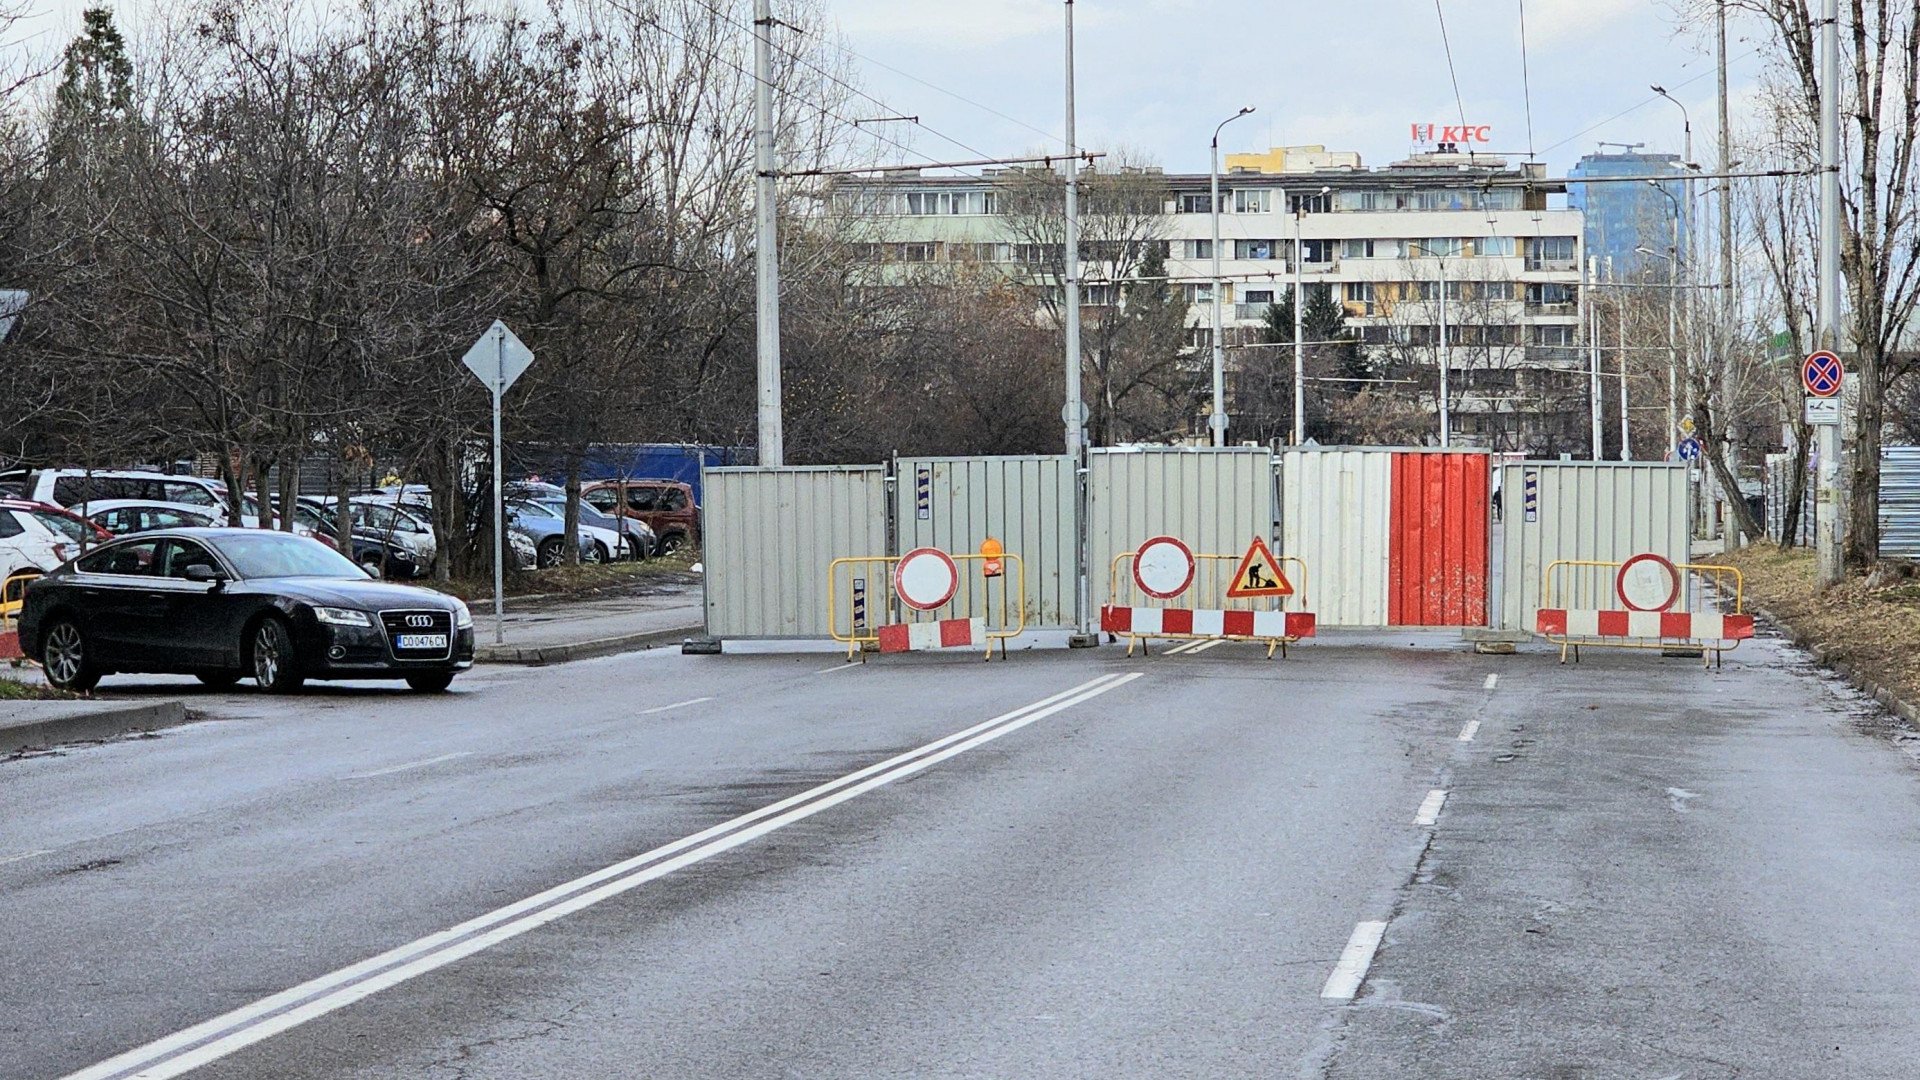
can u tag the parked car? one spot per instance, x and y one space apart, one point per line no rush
640 538
76 488
380 516
549 535
222 604
665 505
39 537
124 516
374 553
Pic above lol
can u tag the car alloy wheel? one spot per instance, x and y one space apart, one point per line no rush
273 660
595 554
552 554
371 566
672 542
66 659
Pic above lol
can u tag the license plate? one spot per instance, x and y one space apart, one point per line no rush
420 641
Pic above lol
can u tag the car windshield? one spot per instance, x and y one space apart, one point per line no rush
271 555
534 509
64 525
588 515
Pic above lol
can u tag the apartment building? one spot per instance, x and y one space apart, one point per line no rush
1387 243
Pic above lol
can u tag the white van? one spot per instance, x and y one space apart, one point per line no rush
75 488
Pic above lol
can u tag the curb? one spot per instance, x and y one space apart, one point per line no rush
91 726
1823 655
541 655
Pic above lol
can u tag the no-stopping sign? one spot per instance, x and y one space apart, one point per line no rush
1163 567
925 578
1647 582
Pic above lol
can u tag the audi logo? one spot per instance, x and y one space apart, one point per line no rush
420 622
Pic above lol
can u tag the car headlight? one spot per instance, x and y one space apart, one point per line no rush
462 616
339 616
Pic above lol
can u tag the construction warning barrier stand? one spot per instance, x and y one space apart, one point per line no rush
1632 604
927 599
1144 585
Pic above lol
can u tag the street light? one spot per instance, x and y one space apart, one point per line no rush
1299 332
1218 421
1674 264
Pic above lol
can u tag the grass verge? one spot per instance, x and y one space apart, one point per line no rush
606 579
1876 631
12 689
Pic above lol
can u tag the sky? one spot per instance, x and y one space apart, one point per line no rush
985 77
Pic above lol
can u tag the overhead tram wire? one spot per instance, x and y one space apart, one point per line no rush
1526 81
1452 73
718 58
798 58
1749 54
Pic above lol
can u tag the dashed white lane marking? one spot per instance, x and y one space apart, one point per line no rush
675 705
1205 645
1185 646
838 667
24 856
1351 971
1469 731
410 765
214 1039
1429 812
1491 679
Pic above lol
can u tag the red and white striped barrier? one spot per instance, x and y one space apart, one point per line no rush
1646 625
1206 622
922 636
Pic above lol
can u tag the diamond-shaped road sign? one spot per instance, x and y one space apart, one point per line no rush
498 358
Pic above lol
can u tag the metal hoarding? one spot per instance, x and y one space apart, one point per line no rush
1437 563
1028 503
770 535
1557 510
1335 508
1900 502
1215 501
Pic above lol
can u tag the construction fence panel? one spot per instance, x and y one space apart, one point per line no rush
1557 511
1335 510
1029 503
1215 501
1900 502
1438 559
769 537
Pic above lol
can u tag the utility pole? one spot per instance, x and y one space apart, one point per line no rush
1218 421
1074 413
766 241
1446 419
1593 351
1620 340
1299 334
1827 564
1728 300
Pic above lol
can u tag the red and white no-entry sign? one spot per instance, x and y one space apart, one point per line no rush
1163 567
925 578
1647 582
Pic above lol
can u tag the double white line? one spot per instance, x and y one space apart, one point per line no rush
214 1039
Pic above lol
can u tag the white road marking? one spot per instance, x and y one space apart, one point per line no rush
1677 798
675 705
1491 679
1351 971
839 667
1430 807
1185 646
1205 645
1467 733
410 765
214 1039
24 856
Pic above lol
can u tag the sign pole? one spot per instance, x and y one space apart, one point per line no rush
499 502
1828 567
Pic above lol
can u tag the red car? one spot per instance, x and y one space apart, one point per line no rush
665 505
38 536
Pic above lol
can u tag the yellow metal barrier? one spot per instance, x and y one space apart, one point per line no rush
868 584
1212 575
13 592
1570 584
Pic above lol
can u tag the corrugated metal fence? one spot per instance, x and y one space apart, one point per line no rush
1335 508
1216 501
1900 502
1029 504
1608 512
769 535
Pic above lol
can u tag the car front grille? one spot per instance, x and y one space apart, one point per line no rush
397 623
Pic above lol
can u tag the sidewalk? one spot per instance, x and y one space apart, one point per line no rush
556 630
26 724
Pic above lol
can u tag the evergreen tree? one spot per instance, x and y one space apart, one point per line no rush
95 96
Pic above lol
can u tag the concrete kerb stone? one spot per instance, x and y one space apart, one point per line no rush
88 724
1824 656
540 655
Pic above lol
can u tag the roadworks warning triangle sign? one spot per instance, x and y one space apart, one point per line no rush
1259 574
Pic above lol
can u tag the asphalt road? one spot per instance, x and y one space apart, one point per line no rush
1068 864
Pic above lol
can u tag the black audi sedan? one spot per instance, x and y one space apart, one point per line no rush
222 604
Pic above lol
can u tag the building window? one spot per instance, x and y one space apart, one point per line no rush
1551 253
1436 247
1255 249
918 253
1253 201
1099 295
1317 251
1193 204
1199 249
1319 202
1553 335
1261 297
1356 249
1199 293
1551 296
1497 246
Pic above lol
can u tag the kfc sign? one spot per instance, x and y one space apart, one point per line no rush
1450 134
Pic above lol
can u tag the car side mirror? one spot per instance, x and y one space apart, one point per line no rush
204 574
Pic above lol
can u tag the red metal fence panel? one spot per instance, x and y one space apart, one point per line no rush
1437 563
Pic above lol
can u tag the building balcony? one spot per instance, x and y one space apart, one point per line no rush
1565 307
1552 265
